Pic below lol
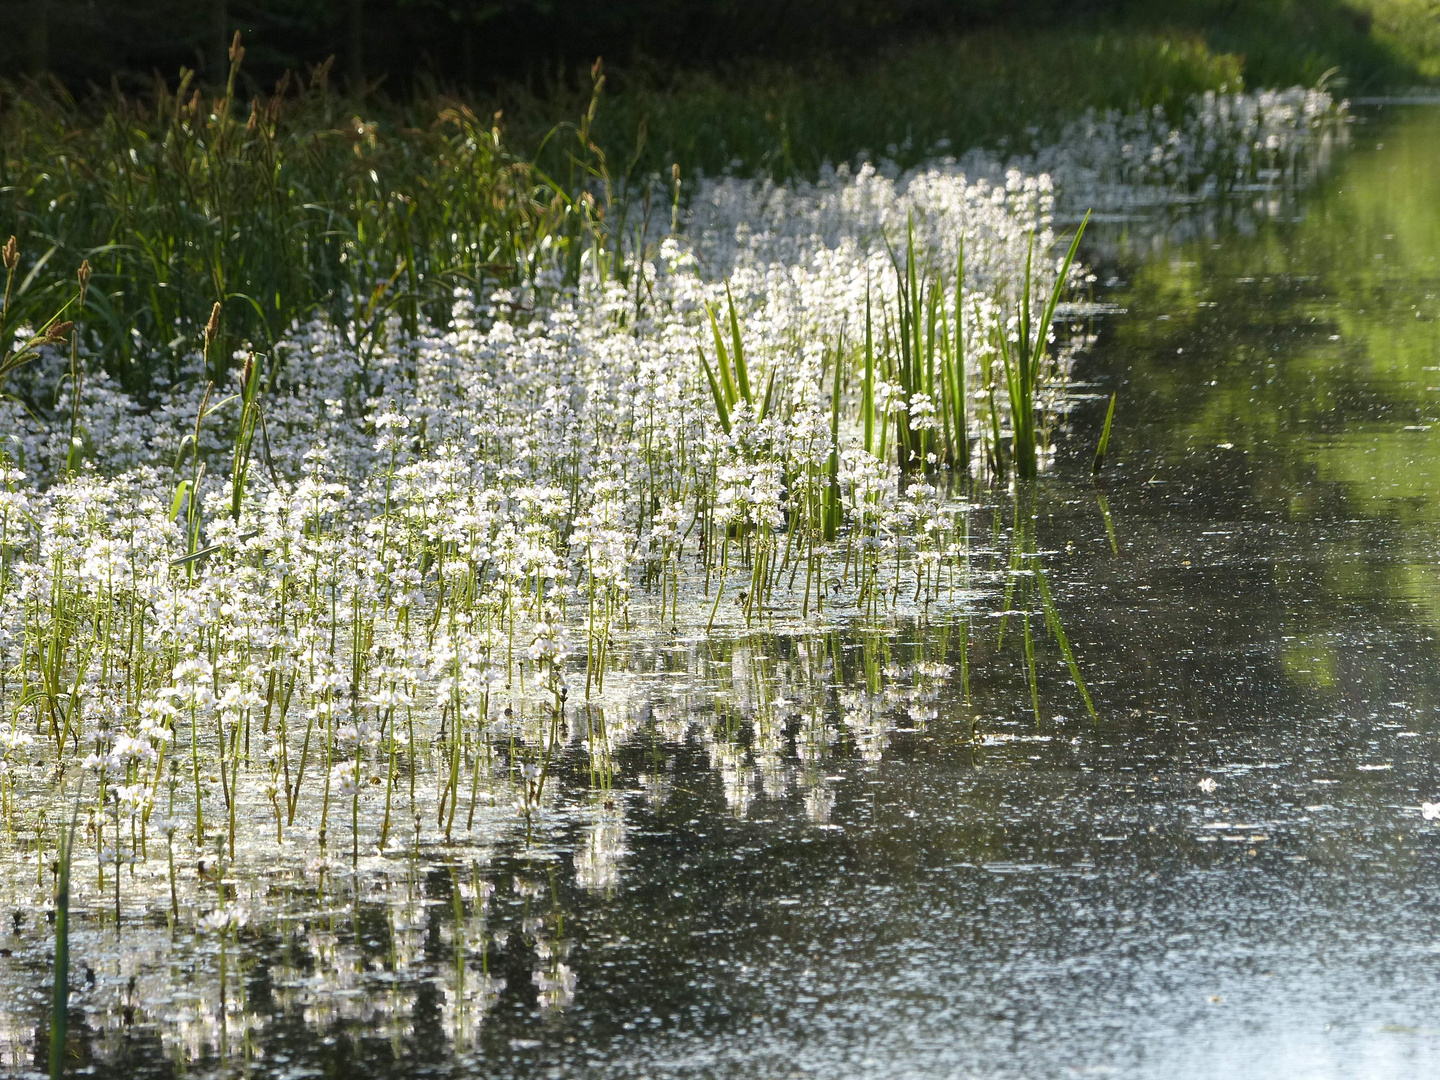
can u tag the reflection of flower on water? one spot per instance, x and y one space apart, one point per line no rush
655 787
865 718
736 776
556 985
553 978
597 859
17 1043
819 802
468 996
469 990
198 1023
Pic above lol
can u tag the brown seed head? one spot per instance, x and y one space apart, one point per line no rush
11 255
675 172
213 326
84 274
237 51
56 333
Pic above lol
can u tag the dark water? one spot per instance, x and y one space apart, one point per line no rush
992 894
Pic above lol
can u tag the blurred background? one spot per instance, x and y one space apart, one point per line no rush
543 44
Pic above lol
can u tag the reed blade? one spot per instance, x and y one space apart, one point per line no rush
721 410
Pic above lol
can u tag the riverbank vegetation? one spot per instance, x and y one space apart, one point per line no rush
283 197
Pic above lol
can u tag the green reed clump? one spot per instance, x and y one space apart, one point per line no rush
1024 361
298 203
928 364
731 387
925 400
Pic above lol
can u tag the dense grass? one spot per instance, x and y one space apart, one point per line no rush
1006 85
1369 45
276 208
981 90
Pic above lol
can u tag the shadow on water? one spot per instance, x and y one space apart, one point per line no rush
914 853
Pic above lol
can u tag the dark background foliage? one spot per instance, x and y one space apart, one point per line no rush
473 43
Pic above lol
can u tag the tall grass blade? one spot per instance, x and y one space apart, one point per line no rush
1109 524
244 433
742 375
717 392
722 362
1060 279
832 509
1024 364
867 385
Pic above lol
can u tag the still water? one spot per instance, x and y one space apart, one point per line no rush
1226 874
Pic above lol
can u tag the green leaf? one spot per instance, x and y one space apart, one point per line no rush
196 556
179 500
1104 445
722 360
769 390
715 392
741 375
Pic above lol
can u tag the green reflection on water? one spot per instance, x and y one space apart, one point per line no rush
1296 355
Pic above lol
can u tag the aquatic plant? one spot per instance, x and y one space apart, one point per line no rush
1024 361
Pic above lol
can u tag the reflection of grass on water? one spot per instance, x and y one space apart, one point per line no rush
1026 589
60 1002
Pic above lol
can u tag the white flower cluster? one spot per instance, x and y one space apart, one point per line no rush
1119 161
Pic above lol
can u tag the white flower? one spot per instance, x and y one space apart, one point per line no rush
345 779
1430 811
1207 785
222 920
